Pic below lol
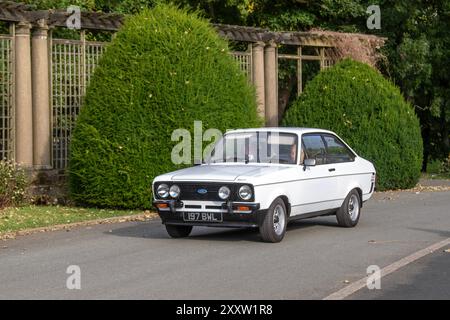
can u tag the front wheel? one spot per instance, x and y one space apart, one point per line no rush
348 214
178 231
273 227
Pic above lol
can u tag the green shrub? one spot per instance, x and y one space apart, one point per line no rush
164 69
369 112
13 183
445 167
434 166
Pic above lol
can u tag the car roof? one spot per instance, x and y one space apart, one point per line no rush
295 130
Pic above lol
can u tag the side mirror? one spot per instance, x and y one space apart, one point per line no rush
308 163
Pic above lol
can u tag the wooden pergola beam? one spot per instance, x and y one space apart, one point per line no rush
18 12
13 11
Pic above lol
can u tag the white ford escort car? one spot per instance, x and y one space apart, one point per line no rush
265 178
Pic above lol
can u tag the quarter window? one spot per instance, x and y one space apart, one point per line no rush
336 151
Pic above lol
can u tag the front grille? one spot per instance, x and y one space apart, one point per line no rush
189 190
190 206
213 207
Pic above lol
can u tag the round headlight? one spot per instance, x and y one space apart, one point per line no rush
245 192
174 191
224 192
163 190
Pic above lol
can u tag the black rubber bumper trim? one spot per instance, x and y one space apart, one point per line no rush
173 204
234 220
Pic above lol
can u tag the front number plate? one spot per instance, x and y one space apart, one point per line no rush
203 216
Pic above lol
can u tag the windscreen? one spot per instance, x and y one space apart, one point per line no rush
256 147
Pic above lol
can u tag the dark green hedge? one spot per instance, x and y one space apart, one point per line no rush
164 69
369 113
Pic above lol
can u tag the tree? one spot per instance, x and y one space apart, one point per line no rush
366 110
164 70
418 48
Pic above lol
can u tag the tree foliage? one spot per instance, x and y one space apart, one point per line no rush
418 50
369 113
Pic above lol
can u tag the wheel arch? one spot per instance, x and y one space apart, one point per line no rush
285 200
286 203
267 196
360 193
355 185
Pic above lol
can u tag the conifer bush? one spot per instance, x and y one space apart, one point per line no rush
165 68
368 112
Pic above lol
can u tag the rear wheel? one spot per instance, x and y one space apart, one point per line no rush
178 231
348 214
273 227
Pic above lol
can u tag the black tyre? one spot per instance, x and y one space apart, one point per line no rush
348 214
274 225
178 231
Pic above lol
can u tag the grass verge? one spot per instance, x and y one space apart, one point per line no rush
30 217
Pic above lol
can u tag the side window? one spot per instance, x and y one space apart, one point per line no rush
336 151
314 148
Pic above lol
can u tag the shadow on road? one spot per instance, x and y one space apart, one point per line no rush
154 230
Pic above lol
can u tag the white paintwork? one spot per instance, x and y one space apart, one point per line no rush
310 190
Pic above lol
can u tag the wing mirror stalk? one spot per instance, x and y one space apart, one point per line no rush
308 163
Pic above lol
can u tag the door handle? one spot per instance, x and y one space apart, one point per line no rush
332 169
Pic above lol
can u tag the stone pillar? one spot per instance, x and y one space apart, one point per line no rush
258 76
41 98
23 107
271 84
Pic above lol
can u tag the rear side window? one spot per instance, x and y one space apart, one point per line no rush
314 148
336 151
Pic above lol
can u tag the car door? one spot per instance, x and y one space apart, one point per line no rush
317 185
342 160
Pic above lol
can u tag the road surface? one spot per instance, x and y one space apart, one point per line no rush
316 258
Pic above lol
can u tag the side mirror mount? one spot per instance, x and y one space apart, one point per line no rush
198 163
308 163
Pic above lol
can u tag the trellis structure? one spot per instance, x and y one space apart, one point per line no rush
299 57
244 61
72 64
42 85
6 97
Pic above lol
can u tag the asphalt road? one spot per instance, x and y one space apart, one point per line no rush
316 258
426 279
